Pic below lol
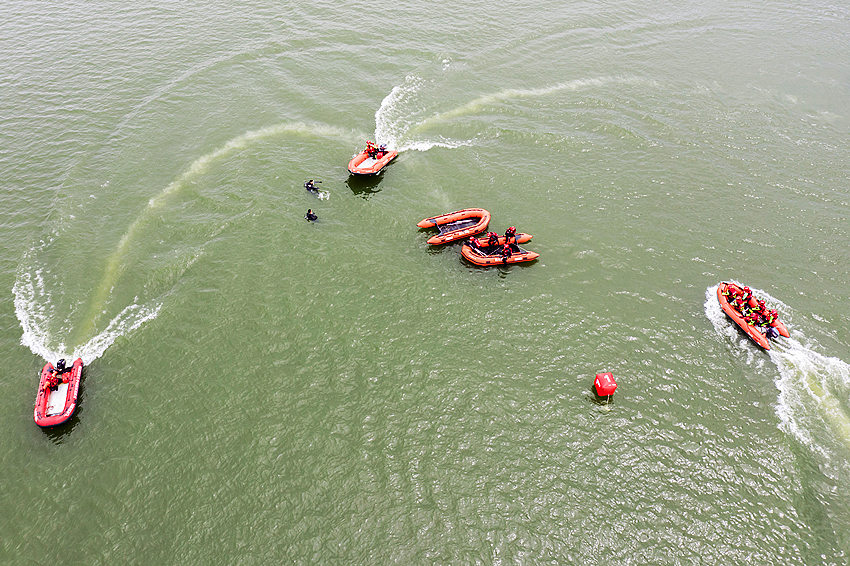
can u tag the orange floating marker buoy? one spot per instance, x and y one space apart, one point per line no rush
605 384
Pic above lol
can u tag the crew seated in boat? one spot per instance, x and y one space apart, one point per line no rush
506 252
472 243
55 377
746 295
382 151
772 317
371 150
51 383
510 235
311 216
492 239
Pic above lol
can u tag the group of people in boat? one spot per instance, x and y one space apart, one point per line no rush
741 299
493 247
375 151
56 376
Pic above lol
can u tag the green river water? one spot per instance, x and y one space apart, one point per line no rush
263 390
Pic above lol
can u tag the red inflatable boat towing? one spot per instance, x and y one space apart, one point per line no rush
734 299
56 398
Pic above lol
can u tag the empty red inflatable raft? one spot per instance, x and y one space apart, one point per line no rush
752 331
487 256
362 164
57 406
456 225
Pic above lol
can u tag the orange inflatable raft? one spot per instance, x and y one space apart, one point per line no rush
752 331
56 406
456 225
487 256
362 164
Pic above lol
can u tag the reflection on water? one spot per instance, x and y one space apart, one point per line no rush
364 186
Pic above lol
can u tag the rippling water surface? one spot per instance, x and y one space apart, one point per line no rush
260 389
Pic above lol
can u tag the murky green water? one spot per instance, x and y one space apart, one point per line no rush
260 389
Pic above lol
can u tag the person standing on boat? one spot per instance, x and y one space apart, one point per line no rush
311 216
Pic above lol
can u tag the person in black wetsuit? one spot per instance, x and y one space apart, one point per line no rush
310 186
311 216
492 239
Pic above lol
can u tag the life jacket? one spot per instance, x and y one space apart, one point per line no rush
52 381
506 251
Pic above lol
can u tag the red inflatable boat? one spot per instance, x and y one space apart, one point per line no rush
487 256
456 225
752 331
56 406
362 164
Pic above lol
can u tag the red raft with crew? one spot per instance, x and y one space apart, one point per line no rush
456 225
751 314
371 160
57 393
498 250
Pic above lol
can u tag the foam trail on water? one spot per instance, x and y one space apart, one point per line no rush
32 307
813 403
516 93
395 118
814 395
197 168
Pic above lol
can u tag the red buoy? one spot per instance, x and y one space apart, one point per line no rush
605 384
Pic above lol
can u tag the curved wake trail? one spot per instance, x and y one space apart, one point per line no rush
34 311
114 268
34 305
396 117
813 404
506 95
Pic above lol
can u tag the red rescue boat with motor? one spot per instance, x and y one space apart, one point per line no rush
362 164
487 256
55 406
456 225
752 330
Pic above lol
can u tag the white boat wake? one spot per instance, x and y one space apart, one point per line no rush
813 404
